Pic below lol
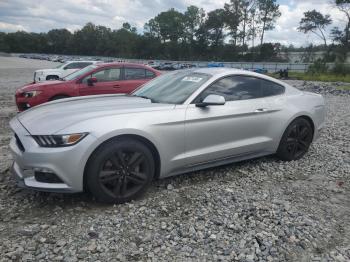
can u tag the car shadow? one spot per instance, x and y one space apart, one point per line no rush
68 201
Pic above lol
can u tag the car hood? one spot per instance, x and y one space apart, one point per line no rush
41 85
50 118
48 70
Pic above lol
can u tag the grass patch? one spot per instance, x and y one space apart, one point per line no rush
326 77
344 87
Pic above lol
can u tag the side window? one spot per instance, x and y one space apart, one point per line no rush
271 89
105 75
150 74
83 64
77 65
234 88
134 73
71 66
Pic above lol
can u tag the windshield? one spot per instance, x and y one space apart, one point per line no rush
79 73
172 88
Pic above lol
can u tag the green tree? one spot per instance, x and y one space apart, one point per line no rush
194 18
233 17
58 41
344 6
104 45
248 9
152 29
315 22
128 27
168 25
3 44
84 40
214 27
124 42
268 12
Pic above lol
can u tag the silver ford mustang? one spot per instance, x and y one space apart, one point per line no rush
114 145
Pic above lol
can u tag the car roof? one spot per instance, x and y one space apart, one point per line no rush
79 61
122 64
218 72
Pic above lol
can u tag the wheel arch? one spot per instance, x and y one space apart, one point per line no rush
139 138
304 115
309 119
52 74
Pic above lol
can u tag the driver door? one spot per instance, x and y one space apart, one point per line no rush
236 128
108 82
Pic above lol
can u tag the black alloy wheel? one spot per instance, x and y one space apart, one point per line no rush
120 171
296 140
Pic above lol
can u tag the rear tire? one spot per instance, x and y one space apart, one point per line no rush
120 170
296 140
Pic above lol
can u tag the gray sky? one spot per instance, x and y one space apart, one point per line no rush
43 15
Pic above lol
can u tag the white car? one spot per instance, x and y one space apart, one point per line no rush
61 70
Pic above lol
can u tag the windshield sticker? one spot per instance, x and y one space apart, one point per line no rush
192 79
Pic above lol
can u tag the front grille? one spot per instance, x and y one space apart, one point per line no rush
19 143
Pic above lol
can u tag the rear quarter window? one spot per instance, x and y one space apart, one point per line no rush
134 73
150 74
270 88
83 64
77 65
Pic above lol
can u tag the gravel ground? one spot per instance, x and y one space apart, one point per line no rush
258 210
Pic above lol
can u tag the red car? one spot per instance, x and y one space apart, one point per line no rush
95 79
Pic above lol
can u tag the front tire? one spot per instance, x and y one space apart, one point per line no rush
120 170
296 140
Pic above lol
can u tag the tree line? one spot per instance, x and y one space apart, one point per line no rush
232 33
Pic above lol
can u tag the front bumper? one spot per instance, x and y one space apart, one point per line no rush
65 163
25 178
24 103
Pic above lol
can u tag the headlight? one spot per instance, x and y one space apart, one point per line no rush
59 140
31 93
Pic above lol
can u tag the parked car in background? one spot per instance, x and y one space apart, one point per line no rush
259 70
94 79
187 65
61 70
153 64
54 58
114 146
168 66
215 64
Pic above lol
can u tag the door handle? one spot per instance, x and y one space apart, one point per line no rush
261 110
116 86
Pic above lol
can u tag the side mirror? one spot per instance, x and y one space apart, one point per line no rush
212 100
91 81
